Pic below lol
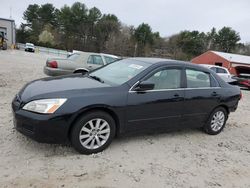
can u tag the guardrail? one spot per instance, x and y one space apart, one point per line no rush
40 49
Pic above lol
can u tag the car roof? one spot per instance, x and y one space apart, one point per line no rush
152 60
209 66
93 53
29 44
162 61
109 55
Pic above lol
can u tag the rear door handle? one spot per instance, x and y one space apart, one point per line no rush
214 94
176 95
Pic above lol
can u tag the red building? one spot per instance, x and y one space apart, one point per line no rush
235 63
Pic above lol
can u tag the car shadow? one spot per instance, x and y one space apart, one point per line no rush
149 136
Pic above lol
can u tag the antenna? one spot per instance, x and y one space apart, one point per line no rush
10 12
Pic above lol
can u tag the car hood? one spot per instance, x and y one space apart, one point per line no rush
54 86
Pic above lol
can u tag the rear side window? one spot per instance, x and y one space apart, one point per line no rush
95 59
197 79
214 82
74 57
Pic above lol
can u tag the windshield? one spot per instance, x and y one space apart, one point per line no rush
120 72
29 45
73 56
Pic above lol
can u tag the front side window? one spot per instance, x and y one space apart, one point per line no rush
95 59
166 79
197 79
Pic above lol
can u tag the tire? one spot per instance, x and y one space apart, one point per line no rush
94 138
216 121
4 46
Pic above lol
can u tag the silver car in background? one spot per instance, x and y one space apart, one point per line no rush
78 62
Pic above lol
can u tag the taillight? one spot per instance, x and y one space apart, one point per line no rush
52 64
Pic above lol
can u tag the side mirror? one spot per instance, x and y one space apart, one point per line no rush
144 86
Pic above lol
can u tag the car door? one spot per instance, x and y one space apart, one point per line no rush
94 62
202 95
159 107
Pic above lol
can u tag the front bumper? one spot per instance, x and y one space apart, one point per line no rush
40 127
29 50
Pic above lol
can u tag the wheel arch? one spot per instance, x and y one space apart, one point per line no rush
224 106
96 108
81 70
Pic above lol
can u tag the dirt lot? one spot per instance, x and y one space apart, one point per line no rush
187 158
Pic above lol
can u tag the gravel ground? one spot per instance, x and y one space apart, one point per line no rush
187 158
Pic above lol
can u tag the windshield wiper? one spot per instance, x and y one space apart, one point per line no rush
96 78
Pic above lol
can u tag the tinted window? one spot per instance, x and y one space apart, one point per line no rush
95 59
197 79
109 59
219 70
166 79
214 82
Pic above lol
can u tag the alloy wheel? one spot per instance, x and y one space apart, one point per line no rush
217 121
94 133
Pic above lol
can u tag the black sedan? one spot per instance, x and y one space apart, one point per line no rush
125 96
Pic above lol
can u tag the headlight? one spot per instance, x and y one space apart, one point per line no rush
45 106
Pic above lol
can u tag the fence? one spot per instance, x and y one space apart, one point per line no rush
40 49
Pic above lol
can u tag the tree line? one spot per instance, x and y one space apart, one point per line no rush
80 28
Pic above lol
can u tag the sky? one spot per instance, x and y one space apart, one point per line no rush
166 16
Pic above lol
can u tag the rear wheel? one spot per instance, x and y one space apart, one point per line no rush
216 121
93 132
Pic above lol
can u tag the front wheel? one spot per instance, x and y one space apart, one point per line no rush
93 132
216 121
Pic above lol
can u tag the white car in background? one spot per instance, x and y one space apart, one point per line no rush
221 71
29 47
77 62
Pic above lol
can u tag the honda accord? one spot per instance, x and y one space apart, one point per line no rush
129 95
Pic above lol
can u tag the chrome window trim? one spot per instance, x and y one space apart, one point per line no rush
177 89
130 89
186 88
